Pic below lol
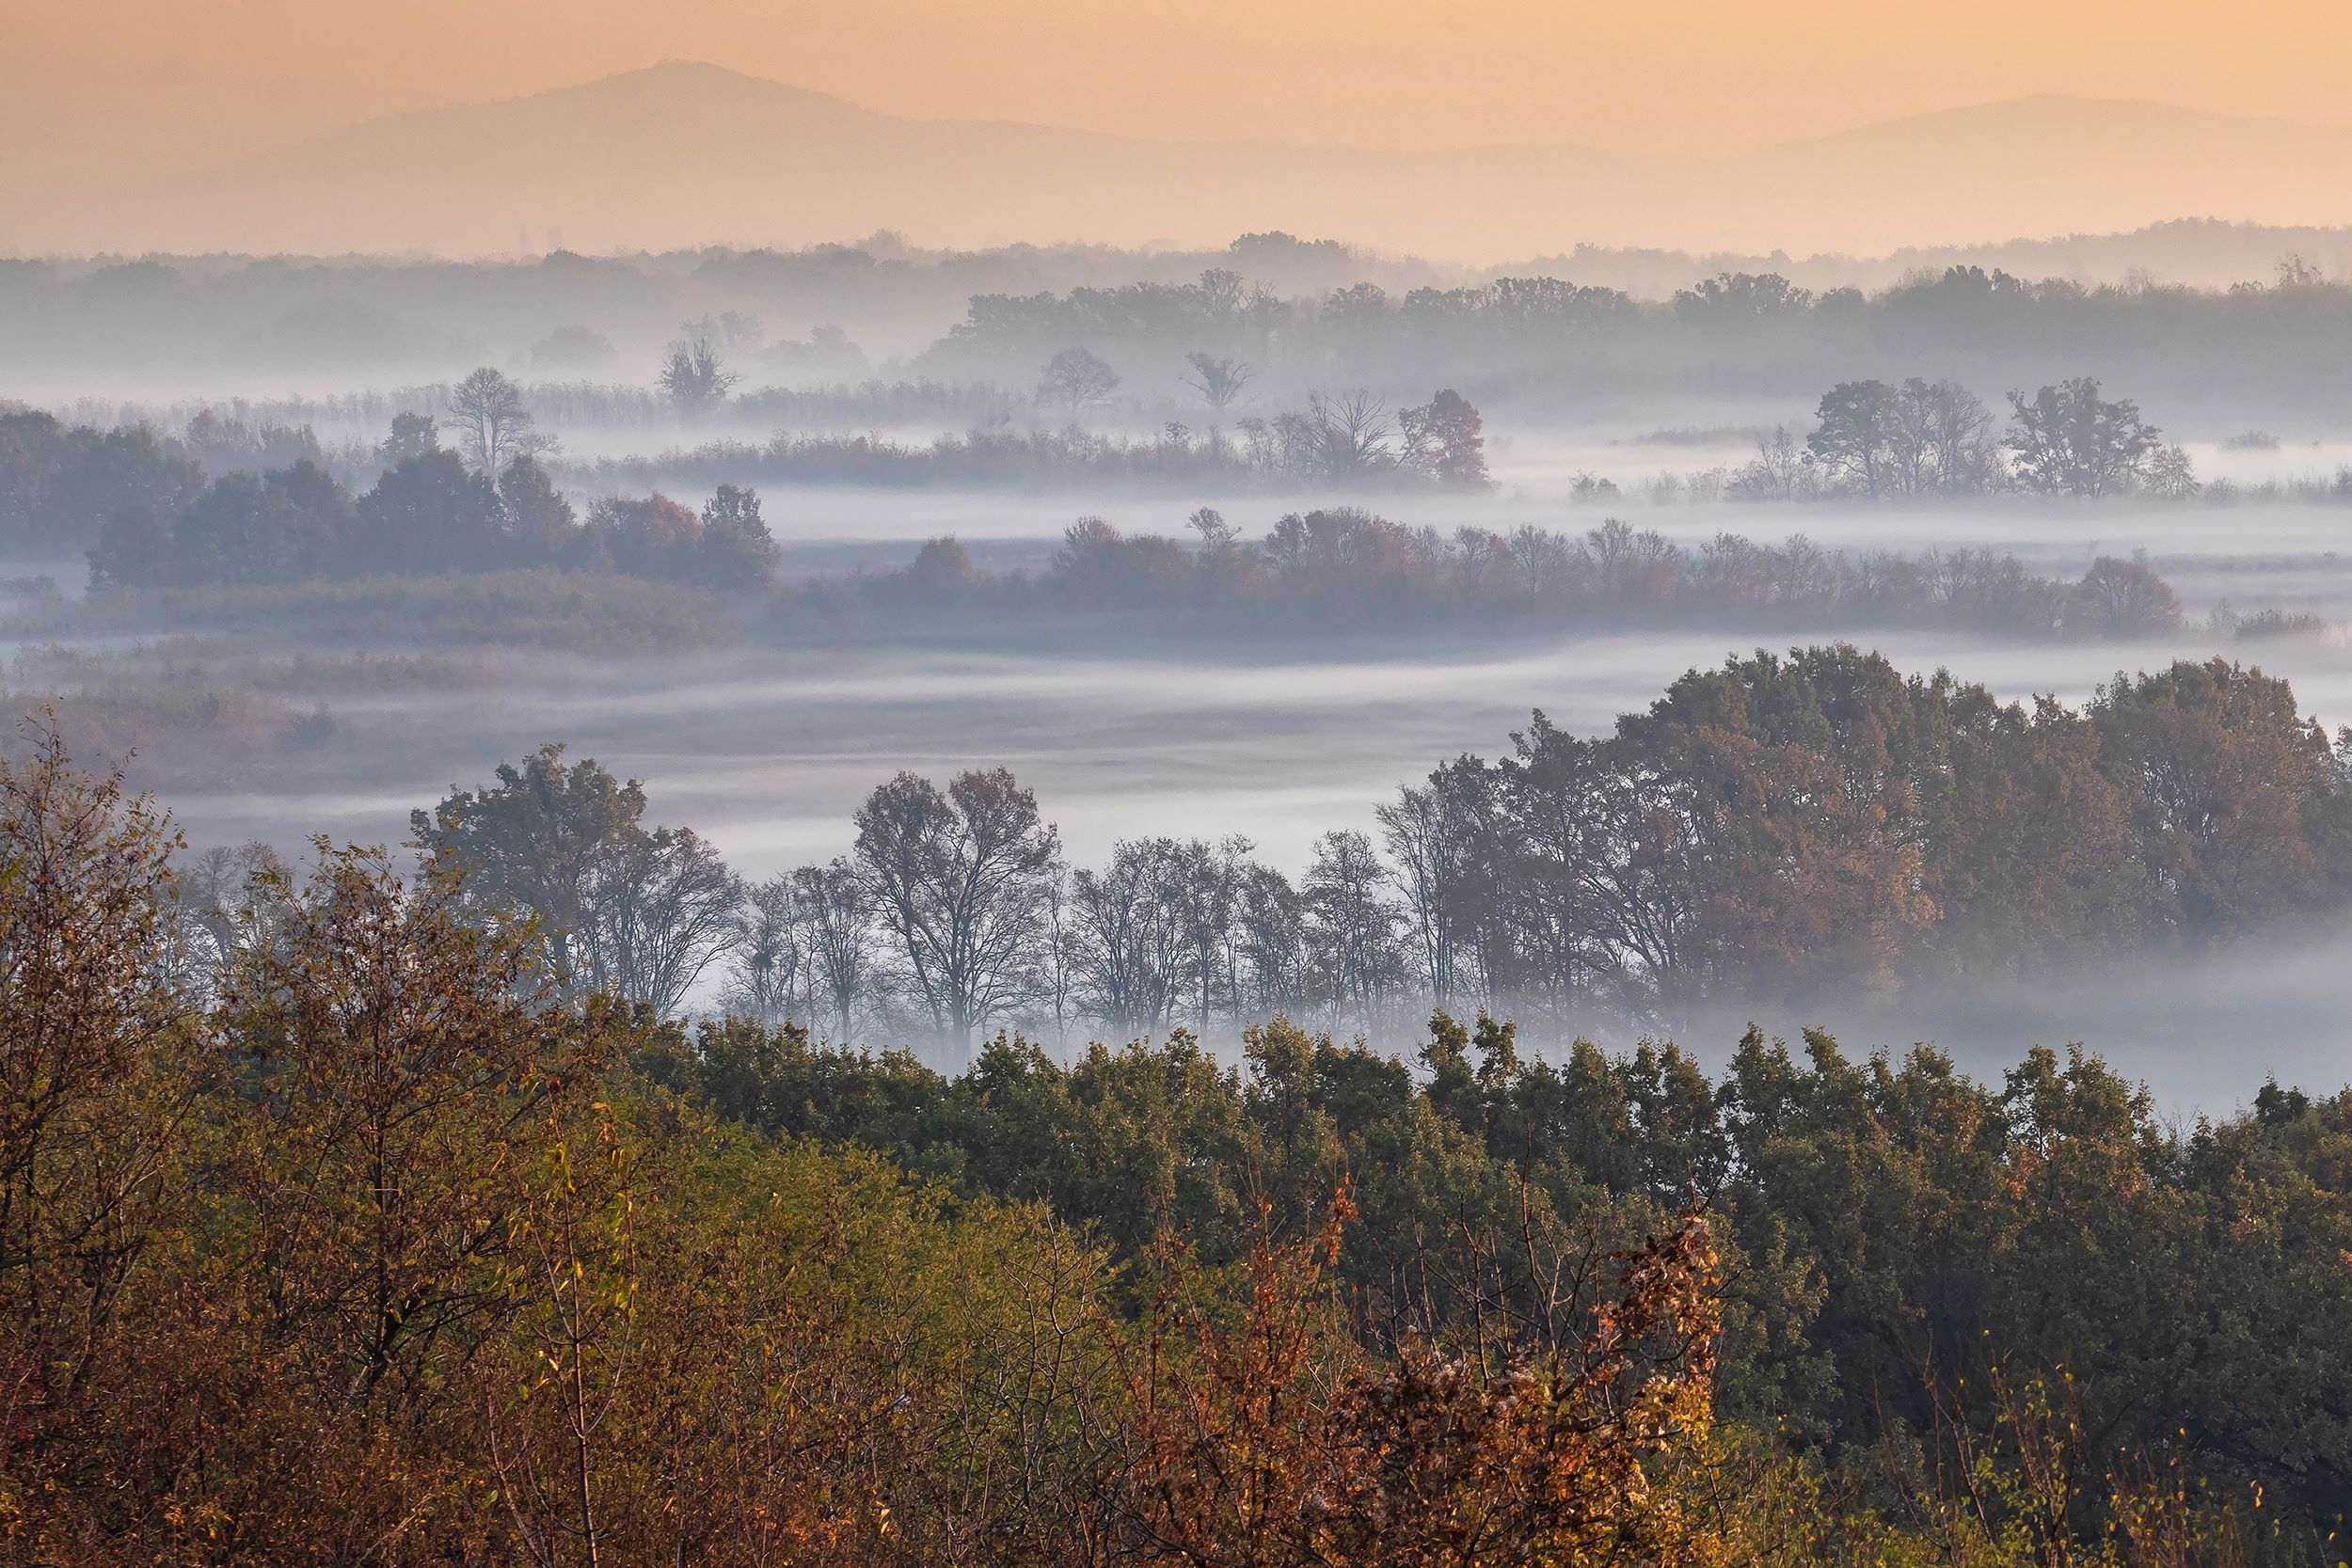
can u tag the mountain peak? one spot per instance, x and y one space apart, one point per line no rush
697 80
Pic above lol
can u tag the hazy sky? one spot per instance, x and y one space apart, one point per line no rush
105 87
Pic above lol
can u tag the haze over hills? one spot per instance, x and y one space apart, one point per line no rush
682 155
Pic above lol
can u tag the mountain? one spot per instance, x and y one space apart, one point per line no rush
2050 165
683 154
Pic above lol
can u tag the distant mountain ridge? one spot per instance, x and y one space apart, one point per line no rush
683 153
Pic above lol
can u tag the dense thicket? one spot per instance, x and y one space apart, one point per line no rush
144 511
1894 1235
331 1231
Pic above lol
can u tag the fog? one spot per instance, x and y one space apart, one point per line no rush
277 707
769 752
2217 328
697 753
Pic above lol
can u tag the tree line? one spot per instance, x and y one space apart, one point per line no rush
146 515
341 1230
1783 831
1343 566
1352 438
1547 337
1222 308
1302 315
1872 439
1876 440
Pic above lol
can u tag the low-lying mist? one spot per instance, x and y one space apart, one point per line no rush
767 753
2203 1031
1136 690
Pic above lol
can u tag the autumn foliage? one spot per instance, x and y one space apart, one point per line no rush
1262 1443
373 1249
368 1243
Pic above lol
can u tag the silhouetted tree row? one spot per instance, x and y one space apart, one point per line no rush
861 404
1877 440
58 481
432 511
1343 566
1301 314
1352 438
1735 331
217 507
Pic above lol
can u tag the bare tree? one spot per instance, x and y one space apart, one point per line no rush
959 880
1278 974
1351 432
1077 377
838 918
1957 428
1216 534
1058 957
493 426
225 903
1353 926
2170 474
1219 378
1782 468
1545 562
666 907
693 375
1130 951
1434 835
1209 891
768 968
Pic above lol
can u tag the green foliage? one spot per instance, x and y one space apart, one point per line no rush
1890 1227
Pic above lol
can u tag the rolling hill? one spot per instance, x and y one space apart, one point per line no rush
682 155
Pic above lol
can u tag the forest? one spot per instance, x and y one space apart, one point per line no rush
934 784
351 1221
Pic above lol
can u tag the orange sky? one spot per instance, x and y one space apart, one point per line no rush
103 87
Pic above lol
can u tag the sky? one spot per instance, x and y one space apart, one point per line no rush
108 89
